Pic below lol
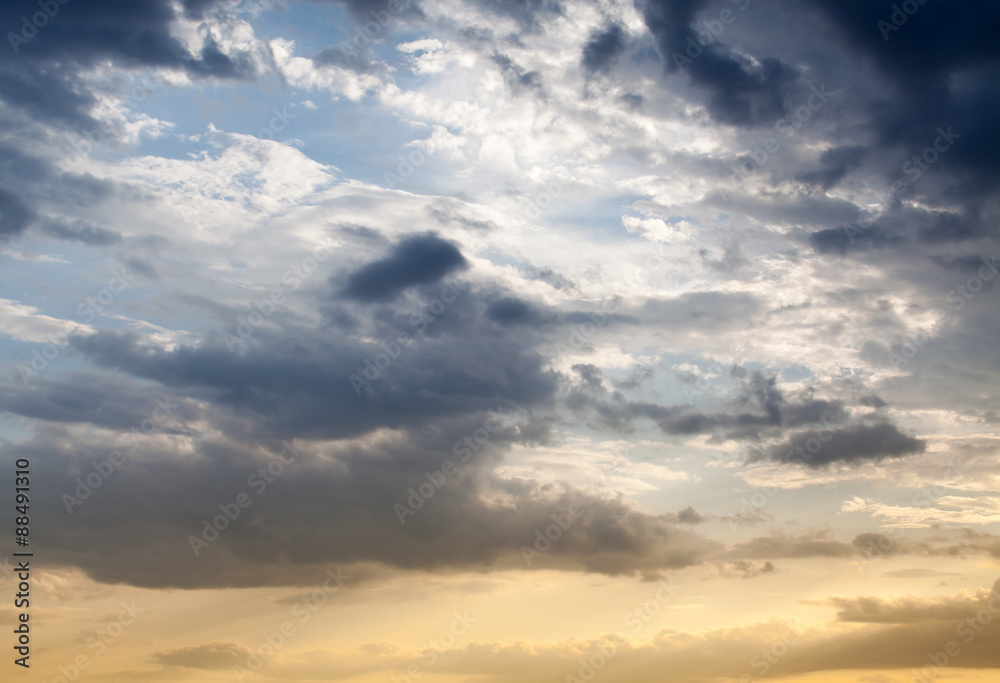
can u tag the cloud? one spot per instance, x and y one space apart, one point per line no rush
15 215
516 77
852 444
217 655
512 311
740 91
38 77
27 323
416 260
81 231
781 545
749 570
911 610
338 57
603 47
759 407
342 497
839 647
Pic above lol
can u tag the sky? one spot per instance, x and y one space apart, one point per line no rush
472 341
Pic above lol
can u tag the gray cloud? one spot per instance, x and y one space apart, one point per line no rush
15 214
603 47
759 408
852 444
416 260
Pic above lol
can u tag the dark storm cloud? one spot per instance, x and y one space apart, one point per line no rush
128 33
46 94
895 78
739 91
603 47
307 391
840 241
513 311
937 39
834 164
968 264
416 260
905 225
37 70
97 399
15 214
923 55
759 407
293 385
851 444
28 181
134 528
